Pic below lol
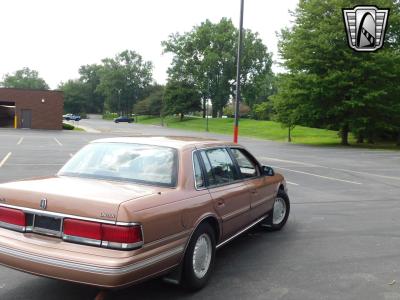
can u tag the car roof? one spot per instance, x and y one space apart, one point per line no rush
178 142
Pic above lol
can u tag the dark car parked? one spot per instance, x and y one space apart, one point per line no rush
123 119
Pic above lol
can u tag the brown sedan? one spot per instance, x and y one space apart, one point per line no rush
126 209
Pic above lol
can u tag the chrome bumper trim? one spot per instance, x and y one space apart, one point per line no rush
90 268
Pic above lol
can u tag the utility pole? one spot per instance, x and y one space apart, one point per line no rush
239 54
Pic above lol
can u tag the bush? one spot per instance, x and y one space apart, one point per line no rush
244 110
110 116
263 111
68 126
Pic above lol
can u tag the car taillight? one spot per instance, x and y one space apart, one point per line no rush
104 235
82 229
12 219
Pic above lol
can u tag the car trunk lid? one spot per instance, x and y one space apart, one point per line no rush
88 198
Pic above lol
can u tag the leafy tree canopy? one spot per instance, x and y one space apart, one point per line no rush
75 96
330 85
123 79
24 79
206 58
153 103
181 98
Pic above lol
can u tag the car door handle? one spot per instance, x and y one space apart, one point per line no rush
254 191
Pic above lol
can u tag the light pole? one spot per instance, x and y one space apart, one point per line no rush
239 54
206 100
119 101
206 103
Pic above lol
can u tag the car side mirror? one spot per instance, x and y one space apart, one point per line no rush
267 171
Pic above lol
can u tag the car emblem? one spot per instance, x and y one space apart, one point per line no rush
43 203
365 27
107 215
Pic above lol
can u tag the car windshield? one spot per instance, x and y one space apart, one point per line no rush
124 161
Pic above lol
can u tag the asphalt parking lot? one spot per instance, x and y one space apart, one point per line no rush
342 240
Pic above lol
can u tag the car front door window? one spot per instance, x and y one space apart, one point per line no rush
219 166
248 168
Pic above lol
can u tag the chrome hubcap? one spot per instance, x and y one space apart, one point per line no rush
279 211
202 255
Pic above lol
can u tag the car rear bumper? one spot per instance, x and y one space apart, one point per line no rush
72 266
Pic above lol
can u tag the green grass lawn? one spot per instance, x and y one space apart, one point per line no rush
268 130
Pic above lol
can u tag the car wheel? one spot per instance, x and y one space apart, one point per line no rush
280 212
199 258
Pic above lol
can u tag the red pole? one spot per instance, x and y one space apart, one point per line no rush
239 54
235 133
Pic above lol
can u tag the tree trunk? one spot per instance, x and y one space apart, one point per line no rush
360 138
289 139
344 135
214 111
371 138
398 139
182 115
204 108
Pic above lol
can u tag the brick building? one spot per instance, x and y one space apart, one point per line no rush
36 109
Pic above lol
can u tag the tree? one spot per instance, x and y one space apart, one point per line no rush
289 104
181 98
153 103
25 79
340 88
90 77
263 110
206 58
123 80
75 96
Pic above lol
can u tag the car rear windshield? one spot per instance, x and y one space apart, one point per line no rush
123 161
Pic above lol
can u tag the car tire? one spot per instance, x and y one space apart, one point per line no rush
116 122
198 262
280 212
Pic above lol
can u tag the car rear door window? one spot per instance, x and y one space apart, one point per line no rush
208 169
219 166
197 172
247 166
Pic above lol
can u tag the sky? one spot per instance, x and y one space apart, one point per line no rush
56 37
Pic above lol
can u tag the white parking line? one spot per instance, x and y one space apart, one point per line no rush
320 176
336 169
5 159
290 161
58 142
292 183
20 141
365 173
